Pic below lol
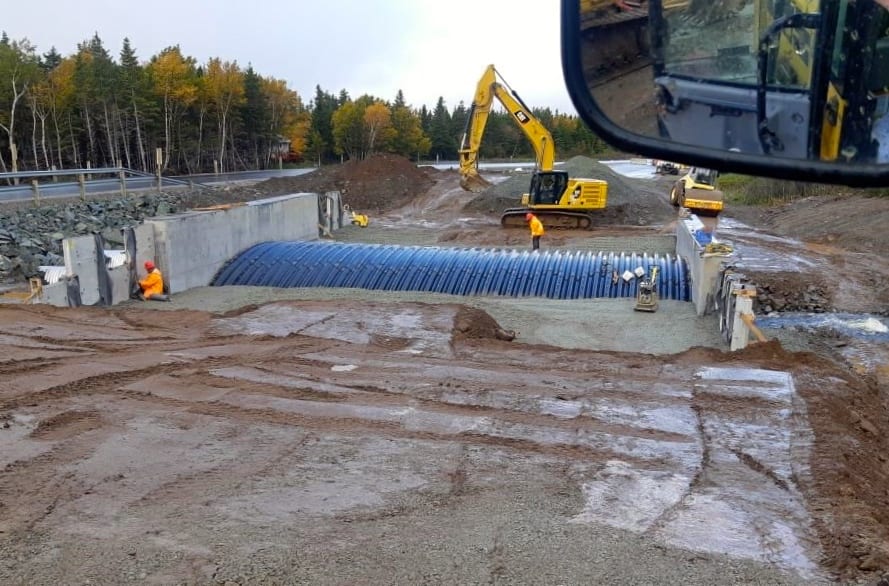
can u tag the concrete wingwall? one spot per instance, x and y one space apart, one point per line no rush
703 267
189 248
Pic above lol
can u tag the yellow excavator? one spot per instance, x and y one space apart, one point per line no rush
696 190
557 200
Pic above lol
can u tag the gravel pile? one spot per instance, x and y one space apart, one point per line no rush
781 295
630 201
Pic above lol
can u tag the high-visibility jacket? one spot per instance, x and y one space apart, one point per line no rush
152 284
536 227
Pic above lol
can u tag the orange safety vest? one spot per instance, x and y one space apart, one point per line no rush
152 284
536 227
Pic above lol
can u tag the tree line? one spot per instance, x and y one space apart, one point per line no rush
90 109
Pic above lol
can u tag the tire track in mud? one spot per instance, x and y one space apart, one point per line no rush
35 484
370 396
100 383
227 478
361 427
24 366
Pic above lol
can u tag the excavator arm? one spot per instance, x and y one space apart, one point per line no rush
490 86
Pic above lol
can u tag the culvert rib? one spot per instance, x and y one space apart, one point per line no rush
553 274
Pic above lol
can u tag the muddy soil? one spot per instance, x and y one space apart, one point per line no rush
296 442
379 183
243 437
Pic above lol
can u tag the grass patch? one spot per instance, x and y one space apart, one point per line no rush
747 190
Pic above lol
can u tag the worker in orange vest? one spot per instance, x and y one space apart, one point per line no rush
536 230
153 284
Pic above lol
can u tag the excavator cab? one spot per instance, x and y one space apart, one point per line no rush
547 187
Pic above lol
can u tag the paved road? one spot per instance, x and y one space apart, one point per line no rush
71 189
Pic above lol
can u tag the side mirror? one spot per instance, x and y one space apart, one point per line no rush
789 89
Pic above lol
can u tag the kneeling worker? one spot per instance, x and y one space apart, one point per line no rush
153 284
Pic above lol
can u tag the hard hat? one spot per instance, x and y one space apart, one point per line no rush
149 266
529 215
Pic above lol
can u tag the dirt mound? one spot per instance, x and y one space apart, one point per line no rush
376 184
630 201
472 323
67 424
853 222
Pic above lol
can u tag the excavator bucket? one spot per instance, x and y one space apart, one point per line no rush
474 182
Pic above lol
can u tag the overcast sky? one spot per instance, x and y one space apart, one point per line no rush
425 48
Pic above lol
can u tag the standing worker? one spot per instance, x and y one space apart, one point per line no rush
153 284
536 230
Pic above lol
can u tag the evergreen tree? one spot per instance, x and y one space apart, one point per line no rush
255 116
50 60
399 100
458 121
323 107
444 144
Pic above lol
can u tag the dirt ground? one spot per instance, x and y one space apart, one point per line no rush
244 437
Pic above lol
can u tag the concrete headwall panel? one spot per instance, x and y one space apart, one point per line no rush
81 259
191 247
703 268
55 294
120 284
144 246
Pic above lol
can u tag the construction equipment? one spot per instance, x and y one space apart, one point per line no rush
621 34
665 168
696 190
559 201
619 30
35 290
360 220
780 82
647 298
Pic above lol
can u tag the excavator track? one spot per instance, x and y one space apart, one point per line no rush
552 219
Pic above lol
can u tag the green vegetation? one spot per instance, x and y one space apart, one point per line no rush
747 190
88 108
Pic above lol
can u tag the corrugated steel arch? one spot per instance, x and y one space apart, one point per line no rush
555 274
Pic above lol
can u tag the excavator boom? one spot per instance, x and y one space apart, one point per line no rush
491 86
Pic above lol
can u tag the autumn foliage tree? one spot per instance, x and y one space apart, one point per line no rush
94 108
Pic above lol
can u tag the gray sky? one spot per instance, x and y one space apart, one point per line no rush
427 49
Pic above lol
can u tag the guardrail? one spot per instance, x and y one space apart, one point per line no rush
83 176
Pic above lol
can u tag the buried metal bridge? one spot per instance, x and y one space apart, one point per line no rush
455 271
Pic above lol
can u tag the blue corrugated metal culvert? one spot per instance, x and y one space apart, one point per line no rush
557 274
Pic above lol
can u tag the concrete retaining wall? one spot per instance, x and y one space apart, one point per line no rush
189 248
704 268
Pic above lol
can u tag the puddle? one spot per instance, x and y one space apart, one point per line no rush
629 168
777 254
859 326
343 367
